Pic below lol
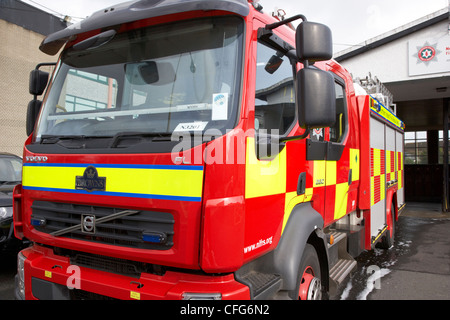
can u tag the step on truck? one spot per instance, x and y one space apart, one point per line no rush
200 149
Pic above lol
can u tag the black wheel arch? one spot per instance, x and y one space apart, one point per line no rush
304 226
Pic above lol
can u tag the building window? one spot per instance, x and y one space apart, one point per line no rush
416 151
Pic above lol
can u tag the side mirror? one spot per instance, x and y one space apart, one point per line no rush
38 82
313 42
274 63
316 98
34 107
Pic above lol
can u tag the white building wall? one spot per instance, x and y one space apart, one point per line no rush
390 62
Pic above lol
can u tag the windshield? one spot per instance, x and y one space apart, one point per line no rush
182 77
10 170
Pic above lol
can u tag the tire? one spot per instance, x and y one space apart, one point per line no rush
309 284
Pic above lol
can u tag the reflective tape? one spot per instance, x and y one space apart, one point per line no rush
182 183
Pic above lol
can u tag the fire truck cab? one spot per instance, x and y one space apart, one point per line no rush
200 149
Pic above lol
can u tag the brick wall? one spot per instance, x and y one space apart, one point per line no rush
19 54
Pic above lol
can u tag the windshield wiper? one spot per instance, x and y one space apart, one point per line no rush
157 136
52 139
76 141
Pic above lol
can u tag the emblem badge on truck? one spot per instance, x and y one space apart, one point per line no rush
88 224
90 181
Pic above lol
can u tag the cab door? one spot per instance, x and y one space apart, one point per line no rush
335 163
273 106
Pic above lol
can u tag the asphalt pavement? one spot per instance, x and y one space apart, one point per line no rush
417 267
7 272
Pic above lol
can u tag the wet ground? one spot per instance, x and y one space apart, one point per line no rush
7 273
416 267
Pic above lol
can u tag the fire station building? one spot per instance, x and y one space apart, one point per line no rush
411 65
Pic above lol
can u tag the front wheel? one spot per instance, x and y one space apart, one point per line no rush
309 284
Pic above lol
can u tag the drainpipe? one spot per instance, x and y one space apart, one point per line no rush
445 196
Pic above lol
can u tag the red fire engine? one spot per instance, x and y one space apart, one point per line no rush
201 149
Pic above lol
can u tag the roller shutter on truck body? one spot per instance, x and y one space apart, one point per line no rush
386 165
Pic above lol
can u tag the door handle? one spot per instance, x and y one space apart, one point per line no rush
301 184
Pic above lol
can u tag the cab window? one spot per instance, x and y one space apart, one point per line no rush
275 94
339 130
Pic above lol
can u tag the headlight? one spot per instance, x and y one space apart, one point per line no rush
6 212
21 274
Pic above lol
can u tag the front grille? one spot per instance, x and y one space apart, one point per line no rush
86 295
109 264
45 290
128 231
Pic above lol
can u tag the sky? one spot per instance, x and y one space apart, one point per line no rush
351 21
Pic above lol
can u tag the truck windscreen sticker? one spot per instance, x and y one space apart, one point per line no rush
191 126
220 107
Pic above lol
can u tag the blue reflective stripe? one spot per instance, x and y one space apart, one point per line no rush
117 194
116 166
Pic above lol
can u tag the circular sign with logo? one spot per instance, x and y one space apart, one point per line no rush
427 53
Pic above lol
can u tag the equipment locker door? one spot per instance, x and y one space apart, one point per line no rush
377 176
399 168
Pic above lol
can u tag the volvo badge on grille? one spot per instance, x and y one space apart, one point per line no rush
88 223
90 181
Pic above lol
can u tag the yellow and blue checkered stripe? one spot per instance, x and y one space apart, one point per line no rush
384 113
163 182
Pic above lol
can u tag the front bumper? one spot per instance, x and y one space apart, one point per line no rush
51 277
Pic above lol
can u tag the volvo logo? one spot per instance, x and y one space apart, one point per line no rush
87 223
36 159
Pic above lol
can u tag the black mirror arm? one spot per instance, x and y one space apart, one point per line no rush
301 137
286 21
